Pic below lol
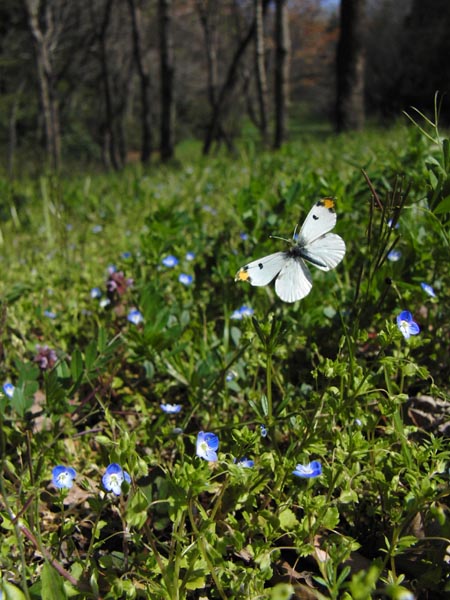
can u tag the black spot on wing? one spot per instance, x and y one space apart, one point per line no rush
260 265
315 217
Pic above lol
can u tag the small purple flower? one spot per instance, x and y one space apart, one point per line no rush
62 477
406 324
240 313
170 409
135 317
185 279
263 431
189 256
245 462
114 477
49 314
96 292
111 269
97 228
428 289
206 446
126 255
312 469
394 255
243 236
117 282
46 357
170 261
8 389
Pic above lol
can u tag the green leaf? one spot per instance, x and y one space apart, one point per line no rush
282 591
91 355
288 520
433 180
348 496
264 405
21 402
52 584
10 591
76 365
443 206
102 340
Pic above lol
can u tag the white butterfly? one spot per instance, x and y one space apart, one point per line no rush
315 244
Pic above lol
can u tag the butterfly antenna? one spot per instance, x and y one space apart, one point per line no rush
277 237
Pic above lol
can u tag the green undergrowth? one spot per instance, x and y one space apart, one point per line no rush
329 378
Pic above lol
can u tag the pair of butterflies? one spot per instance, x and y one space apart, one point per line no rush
314 244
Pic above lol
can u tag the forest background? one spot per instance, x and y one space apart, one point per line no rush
109 82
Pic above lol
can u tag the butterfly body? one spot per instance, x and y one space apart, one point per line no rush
315 244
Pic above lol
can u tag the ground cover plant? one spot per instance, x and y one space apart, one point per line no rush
169 433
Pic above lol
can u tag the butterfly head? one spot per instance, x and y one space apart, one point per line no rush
242 274
328 203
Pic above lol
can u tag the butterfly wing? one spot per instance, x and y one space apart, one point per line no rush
262 271
326 252
294 281
320 220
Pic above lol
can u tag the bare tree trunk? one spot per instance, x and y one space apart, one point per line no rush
282 41
206 12
110 142
44 40
214 126
167 76
261 80
12 133
145 83
350 62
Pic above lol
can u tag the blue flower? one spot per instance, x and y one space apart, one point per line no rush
185 279
394 255
245 462
312 469
209 209
96 292
243 236
428 289
240 313
8 389
189 256
170 261
406 324
170 409
126 254
114 477
207 444
62 477
104 302
50 314
135 317
391 224
263 431
97 228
